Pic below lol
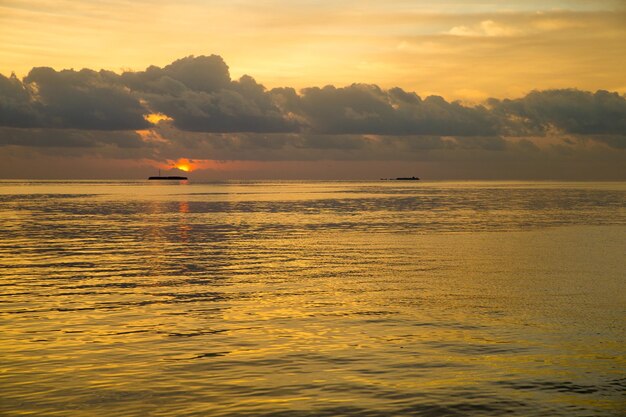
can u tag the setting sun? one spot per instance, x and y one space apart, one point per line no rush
189 165
182 164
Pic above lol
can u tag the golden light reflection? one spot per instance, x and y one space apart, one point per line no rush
155 118
420 314
151 136
184 228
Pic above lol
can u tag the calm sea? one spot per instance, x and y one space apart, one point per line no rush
312 299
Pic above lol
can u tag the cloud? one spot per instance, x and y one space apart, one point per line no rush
202 74
367 109
569 110
312 146
82 99
71 138
197 94
485 28
15 104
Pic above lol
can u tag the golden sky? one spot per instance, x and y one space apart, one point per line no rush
544 60
465 50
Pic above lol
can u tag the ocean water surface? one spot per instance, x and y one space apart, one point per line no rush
312 298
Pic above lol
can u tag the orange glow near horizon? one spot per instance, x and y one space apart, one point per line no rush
188 165
183 164
183 167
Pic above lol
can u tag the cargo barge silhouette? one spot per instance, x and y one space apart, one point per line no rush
168 177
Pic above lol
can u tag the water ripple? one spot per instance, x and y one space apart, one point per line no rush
312 299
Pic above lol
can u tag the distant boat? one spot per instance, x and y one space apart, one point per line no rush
167 178
171 177
401 179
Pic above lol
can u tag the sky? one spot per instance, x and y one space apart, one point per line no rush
339 89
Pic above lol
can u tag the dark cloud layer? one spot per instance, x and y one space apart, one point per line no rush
198 94
17 109
572 111
82 99
367 109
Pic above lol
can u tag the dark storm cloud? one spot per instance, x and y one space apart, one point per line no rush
569 110
83 99
227 110
16 108
367 109
198 94
203 74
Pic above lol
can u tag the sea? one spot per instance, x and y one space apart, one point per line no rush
307 298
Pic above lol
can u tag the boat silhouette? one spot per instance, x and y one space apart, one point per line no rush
401 179
168 177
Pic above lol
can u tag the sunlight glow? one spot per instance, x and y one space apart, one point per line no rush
155 118
187 165
183 167
183 164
